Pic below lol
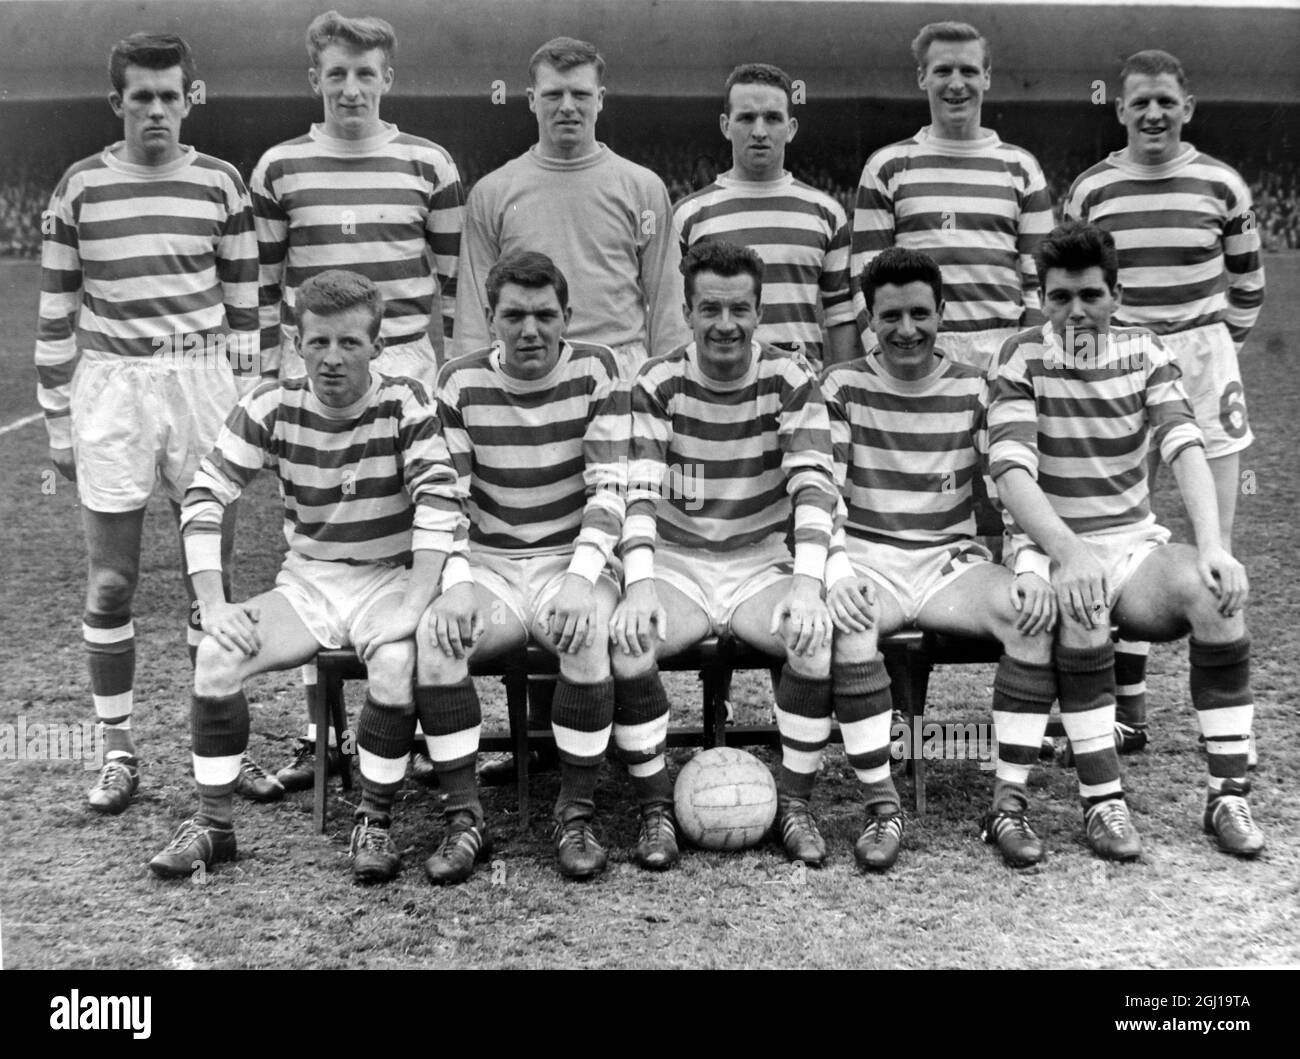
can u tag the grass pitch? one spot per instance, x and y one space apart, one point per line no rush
75 891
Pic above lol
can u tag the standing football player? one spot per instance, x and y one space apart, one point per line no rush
538 429
149 284
955 191
730 447
905 421
1075 405
372 510
356 192
1190 267
801 234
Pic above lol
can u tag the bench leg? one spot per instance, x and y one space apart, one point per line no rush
322 709
517 709
716 682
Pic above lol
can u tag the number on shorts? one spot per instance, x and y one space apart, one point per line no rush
1232 410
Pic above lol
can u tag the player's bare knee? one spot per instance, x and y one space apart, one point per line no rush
110 590
1073 633
588 666
217 670
390 671
854 647
435 668
626 666
814 666
1028 647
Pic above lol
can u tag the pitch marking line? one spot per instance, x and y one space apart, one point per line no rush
19 423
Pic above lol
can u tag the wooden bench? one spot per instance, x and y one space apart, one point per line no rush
910 655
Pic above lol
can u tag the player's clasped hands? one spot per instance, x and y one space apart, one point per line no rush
455 621
801 619
570 616
638 619
1034 601
1225 577
1081 588
232 625
852 603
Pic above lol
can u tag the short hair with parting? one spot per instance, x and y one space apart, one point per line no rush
899 266
151 51
1152 62
722 259
526 268
758 74
339 291
1075 247
564 54
951 33
360 34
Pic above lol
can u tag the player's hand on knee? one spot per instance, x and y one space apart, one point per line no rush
455 622
373 633
570 616
1225 577
232 625
801 619
1081 590
638 620
63 462
852 604
1035 604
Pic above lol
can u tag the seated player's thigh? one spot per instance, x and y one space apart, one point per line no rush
752 623
1165 597
978 603
854 647
285 642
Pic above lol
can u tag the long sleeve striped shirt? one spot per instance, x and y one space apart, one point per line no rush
369 483
978 207
544 461
1189 249
801 234
718 466
390 207
137 258
1080 426
905 453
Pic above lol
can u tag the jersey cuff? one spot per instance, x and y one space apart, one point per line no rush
838 567
202 552
1032 561
456 571
638 565
59 429
587 562
810 561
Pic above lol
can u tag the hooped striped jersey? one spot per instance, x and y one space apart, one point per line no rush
1188 244
719 466
1080 424
137 259
390 207
369 483
905 453
978 207
801 234
544 461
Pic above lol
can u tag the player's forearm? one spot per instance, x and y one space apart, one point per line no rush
425 580
1033 512
207 587
1196 485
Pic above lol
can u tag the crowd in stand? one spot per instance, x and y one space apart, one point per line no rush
1274 185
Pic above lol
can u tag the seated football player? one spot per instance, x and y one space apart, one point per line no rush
904 423
537 428
1074 406
372 509
730 441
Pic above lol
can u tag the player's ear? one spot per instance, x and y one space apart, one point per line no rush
389 75
313 79
115 101
376 346
920 78
568 315
1189 108
793 126
724 123
600 99
532 98
1118 292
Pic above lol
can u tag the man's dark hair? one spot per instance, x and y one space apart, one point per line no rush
565 53
151 51
722 259
526 268
952 33
899 266
337 291
758 74
1152 62
359 34
1075 246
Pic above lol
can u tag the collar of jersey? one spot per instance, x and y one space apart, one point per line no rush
569 164
318 407
927 138
387 132
908 386
758 187
1121 161
546 382
696 373
146 172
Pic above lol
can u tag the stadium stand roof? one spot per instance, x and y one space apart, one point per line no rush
840 48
